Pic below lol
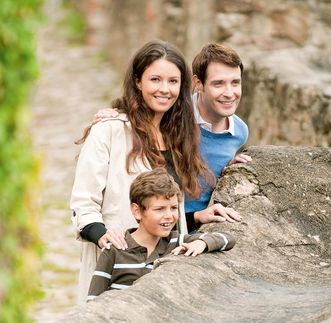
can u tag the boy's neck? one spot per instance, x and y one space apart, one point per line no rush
146 240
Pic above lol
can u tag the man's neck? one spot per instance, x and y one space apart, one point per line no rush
217 123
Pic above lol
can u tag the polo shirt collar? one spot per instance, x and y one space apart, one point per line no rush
204 124
161 246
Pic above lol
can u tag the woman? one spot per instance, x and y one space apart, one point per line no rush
157 128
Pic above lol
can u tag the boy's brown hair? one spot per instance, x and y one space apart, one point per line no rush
156 182
218 53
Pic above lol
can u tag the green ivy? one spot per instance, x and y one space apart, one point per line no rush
20 247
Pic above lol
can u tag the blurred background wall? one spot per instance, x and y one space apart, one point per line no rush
284 44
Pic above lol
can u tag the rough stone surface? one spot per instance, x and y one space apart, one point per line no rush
280 269
284 45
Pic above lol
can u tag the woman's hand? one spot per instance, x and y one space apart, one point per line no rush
193 248
113 237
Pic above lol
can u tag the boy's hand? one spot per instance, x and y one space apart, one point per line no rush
190 249
104 113
216 213
241 158
113 237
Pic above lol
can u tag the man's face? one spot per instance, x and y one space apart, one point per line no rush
221 92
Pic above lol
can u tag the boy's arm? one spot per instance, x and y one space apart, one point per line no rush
102 276
221 241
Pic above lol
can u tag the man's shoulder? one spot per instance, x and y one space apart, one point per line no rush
240 126
238 121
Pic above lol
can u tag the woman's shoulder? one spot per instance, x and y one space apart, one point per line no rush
110 123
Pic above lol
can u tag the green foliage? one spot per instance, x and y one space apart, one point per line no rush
20 247
73 23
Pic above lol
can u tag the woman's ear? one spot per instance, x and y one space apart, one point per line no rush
138 84
135 209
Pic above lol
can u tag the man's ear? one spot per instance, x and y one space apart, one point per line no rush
197 84
135 209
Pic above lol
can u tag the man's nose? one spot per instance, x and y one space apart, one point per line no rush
228 91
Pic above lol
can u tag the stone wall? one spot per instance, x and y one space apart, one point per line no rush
279 270
284 45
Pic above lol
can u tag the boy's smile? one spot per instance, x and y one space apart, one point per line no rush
159 217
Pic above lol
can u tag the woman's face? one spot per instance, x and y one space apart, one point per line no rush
160 85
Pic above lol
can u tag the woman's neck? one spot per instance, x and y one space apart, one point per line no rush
157 132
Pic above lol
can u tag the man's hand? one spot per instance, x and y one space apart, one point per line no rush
193 248
113 237
217 213
104 113
241 158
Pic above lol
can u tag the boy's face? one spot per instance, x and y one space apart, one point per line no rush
159 217
221 92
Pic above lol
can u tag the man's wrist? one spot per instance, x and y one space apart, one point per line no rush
192 225
196 217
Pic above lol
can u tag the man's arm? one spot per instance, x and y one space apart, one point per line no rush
241 158
105 113
216 213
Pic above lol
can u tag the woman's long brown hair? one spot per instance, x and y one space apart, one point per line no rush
178 126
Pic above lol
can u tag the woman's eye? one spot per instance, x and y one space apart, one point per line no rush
174 81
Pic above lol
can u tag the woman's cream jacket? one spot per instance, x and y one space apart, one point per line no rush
101 188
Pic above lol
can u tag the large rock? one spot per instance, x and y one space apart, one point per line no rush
279 271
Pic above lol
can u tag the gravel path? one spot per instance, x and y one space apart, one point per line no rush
74 83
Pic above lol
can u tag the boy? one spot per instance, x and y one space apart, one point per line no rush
154 198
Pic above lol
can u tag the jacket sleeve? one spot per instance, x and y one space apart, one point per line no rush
220 241
91 177
102 276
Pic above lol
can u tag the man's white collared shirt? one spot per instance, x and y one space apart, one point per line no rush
206 125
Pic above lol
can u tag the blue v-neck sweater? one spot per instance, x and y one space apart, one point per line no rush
217 149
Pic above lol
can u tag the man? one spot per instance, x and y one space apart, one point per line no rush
217 74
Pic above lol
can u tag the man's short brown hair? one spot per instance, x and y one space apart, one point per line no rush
218 53
156 182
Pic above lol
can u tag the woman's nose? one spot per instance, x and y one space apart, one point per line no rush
164 87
